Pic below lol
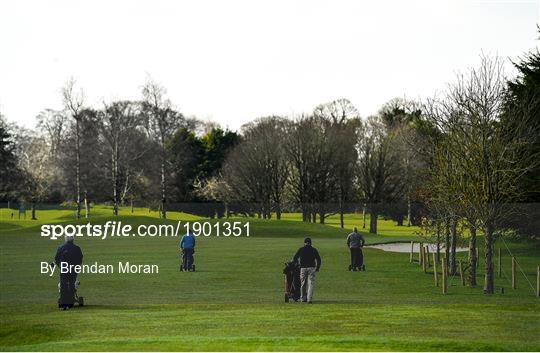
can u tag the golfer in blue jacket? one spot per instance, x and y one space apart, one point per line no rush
187 247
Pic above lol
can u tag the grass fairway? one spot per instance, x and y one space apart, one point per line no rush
235 299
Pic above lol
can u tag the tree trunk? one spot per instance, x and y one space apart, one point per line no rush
278 211
341 211
438 256
86 205
125 189
163 175
453 243
373 221
472 257
364 216
34 211
268 211
408 211
399 222
131 205
78 167
446 241
163 189
114 170
489 285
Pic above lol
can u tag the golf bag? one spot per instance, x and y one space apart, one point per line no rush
357 260
292 281
68 295
187 260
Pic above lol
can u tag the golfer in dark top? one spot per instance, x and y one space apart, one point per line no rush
355 242
72 255
310 262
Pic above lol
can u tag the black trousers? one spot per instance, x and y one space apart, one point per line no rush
357 257
67 289
187 259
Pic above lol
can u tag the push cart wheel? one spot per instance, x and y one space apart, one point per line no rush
81 301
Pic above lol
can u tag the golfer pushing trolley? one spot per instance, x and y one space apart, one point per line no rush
187 249
310 263
355 242
72 255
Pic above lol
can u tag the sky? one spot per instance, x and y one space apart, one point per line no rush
233 61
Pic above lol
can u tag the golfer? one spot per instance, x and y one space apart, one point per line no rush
310 262
72 254
187 248
355 242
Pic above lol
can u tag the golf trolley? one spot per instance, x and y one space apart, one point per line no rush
359 265
361 268
192 268
79 300
292 281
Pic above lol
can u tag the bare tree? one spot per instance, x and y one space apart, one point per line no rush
345 123
487 159
73 101
311 146
246 171
257 168
412 134
53 124
269 135
338 111
35 162
379 167
119 119
163 120
299 150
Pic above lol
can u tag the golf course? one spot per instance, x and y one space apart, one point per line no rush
235 299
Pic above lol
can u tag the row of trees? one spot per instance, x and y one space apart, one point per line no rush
468 160
458 164
125 151
321 163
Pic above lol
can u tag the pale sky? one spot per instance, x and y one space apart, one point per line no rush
233 61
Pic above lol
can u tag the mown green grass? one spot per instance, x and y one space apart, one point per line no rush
235 299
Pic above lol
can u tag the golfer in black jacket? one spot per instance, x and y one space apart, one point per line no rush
310 262
71 254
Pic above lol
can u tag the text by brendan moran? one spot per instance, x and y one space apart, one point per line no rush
96 268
